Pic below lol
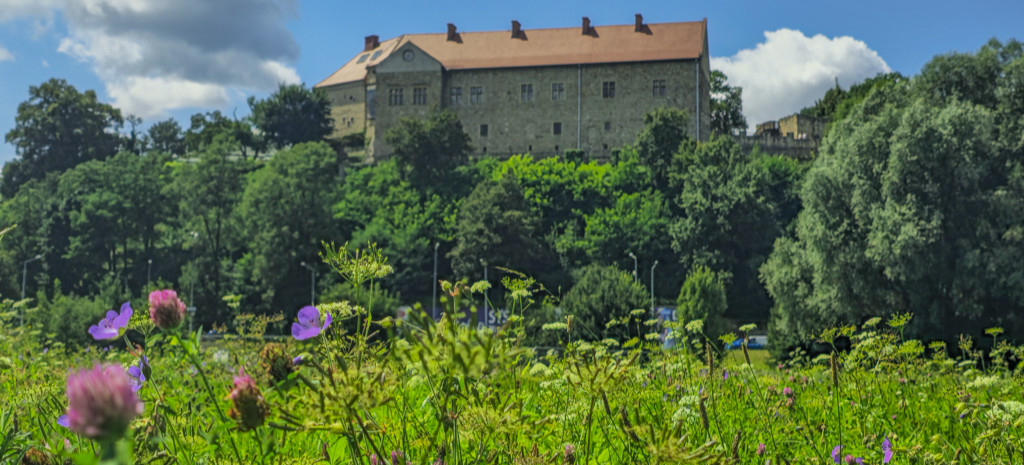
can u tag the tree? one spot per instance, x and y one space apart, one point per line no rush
495 225
429 150
293 115
205 128
664 130
603 295
724 221
726 106
56 129
286 213
166 136
915 205
702 297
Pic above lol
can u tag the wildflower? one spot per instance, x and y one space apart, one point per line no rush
297 360
725 375
395 455
787 391
760 449
165 309
569 456
35 456
836 453
101 402
886 450
110 326
849 459
248 408
138 373
309 324
374 460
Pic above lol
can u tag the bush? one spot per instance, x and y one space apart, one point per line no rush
604 295
702 297
62 317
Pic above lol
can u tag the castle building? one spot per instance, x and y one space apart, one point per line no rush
539 91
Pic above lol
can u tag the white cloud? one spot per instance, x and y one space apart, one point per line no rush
155 56
5 55
152 97
789 71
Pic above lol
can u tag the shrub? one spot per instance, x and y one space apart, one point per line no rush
702 297
602 304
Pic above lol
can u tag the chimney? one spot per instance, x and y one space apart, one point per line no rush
371 43
516 29
639 25
452 35
586 26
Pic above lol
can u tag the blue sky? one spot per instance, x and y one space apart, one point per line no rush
160 59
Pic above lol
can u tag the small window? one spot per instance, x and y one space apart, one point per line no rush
483 130
606 146
526 93
419 95
529 148
395 97
659 88
476 94
375 55
558 91
556 149
363 58
557 129
455 96
608 89
607 126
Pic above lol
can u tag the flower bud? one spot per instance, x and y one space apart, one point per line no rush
248 408
276 362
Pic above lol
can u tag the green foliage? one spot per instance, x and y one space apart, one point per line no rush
495 226
602 303
292 115
64 318
166 136
428 150
664 130
702 298
212 127
57 128
298 179
726 106
909 209
727 222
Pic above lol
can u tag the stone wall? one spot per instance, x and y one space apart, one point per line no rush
348 108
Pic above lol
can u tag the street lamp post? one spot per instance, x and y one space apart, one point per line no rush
149 271
433 304
486 311
312 283
635 276
24 279
652 285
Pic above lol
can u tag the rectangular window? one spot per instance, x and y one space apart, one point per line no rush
395 97
371 103
476 94
456 96
557 91
557 129
607 126
659 88
419 95
483 130
608 89
526 93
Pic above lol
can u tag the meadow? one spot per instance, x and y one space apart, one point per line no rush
349 386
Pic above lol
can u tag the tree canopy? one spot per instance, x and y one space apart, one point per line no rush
57 128
292 115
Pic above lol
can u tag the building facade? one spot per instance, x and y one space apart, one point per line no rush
527 91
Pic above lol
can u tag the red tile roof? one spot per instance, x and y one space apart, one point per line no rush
542 47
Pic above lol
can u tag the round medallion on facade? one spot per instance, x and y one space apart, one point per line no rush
408 55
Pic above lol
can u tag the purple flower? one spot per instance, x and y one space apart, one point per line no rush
309 324
248 408
374 460
110 326
101 402
63 421
45 350
849 459
137 373
787 391
836 453
165 309
760 449
725 375
395 455
297 360
886 450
